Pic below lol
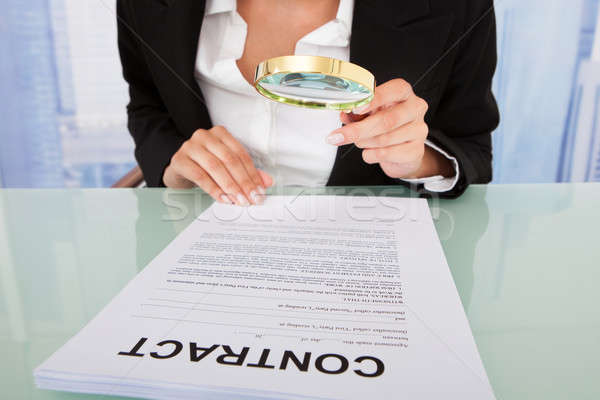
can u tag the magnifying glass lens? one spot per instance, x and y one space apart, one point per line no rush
318 89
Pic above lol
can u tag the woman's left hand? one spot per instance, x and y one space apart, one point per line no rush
391 130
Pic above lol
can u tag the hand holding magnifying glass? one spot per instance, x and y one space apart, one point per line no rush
391 131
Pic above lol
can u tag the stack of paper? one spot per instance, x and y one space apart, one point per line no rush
308 297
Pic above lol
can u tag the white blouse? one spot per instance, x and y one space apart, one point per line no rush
287 142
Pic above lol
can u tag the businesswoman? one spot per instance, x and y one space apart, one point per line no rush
197 121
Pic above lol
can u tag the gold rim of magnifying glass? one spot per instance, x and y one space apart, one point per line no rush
315 65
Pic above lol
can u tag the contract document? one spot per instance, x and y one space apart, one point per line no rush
323 297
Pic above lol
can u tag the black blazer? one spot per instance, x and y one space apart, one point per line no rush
445 49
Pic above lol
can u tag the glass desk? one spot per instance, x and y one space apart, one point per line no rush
525 259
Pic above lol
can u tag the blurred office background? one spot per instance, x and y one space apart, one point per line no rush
62 102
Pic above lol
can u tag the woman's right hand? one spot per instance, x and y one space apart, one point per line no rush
216 162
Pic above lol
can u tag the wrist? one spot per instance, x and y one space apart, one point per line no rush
434 163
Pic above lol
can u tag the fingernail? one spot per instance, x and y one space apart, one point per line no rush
225 199
347 111
242 200
361 109
336 138
254 197
260 199
261 190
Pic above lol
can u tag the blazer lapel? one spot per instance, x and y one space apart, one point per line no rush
398 39
171 30
390 13
392 39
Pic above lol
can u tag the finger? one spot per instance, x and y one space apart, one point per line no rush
349 118
399 153
191 171
219 173
393 91
266 178
414 131
376 124
236 169
237 148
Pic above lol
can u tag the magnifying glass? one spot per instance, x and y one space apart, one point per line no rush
314 82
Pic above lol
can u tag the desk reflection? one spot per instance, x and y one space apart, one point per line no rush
162 214
460 233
